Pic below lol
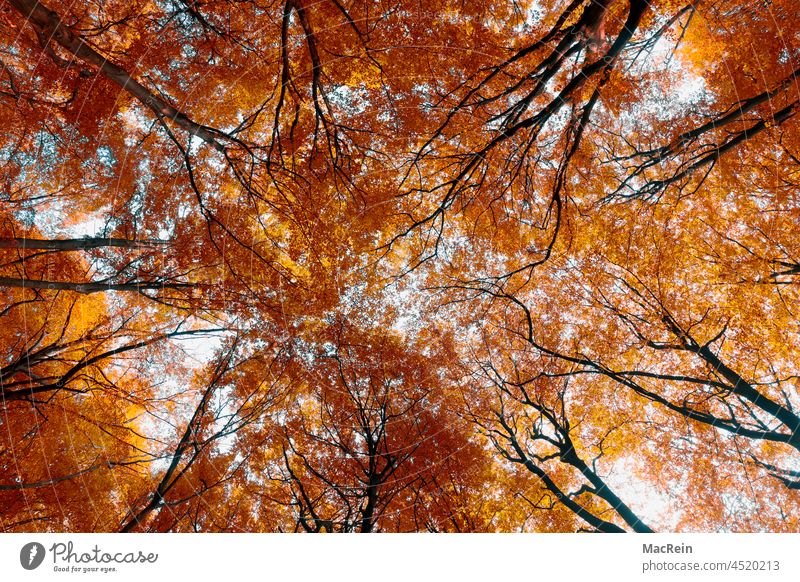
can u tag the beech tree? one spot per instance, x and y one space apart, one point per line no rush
275 265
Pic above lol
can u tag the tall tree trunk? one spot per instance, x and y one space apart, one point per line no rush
50 25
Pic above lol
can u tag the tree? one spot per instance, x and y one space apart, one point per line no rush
369 436
344 266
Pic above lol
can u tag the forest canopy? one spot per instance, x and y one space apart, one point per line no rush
394 266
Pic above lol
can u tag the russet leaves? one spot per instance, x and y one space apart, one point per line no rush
346 266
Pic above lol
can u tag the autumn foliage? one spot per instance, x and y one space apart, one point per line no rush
347 266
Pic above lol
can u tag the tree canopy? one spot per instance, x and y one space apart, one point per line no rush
348 266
